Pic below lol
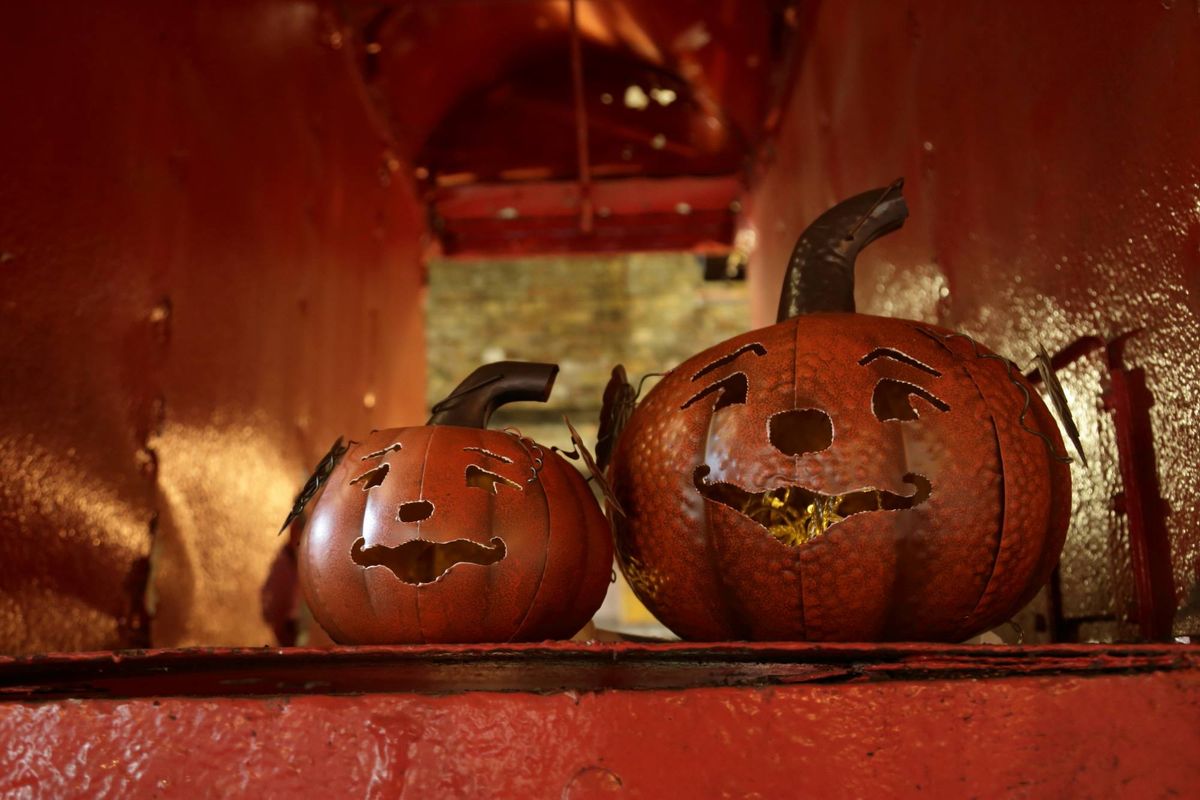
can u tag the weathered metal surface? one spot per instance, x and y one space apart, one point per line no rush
206 270
1053 174
811 721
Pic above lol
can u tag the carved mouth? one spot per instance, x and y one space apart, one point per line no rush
418 561
795 514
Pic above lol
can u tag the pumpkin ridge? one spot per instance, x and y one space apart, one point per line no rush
587 558
545 549
421 495
490 574
1059 502
961 363
578 490
363 577
796 470
1028 587
1003 508
729 601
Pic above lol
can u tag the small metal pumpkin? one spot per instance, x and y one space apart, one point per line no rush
838 476
454 533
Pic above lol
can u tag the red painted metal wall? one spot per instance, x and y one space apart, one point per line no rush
208 270
1053 173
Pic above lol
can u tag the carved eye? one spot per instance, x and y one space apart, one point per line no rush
372 477
480 478
733 389
891 400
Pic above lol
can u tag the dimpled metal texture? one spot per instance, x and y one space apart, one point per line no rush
557 555
960 561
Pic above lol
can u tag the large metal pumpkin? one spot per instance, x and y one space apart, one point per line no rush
839 476
454 533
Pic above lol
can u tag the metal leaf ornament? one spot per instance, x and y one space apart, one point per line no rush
1058 399
316 481
594 470
615 410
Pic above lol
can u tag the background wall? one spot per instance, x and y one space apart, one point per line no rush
207 273
648 311
1053 174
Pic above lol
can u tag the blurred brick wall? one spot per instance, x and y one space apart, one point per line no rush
648 311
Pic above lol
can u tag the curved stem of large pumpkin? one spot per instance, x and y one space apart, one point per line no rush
472 402
820 275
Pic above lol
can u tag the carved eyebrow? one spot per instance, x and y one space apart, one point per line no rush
391 448
730 391
890 400
372 477
480 478
753 347
896 355
488 454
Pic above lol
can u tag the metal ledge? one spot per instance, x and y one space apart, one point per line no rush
551 667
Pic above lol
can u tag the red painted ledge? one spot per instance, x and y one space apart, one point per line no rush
567 720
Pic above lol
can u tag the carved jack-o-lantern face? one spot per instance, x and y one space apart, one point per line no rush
445 533
840 476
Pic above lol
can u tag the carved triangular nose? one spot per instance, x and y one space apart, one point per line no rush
415 511
801 430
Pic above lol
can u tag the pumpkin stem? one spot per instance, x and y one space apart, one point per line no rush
472 402
820 275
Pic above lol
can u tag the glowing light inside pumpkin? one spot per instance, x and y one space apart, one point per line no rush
792 515
795 515
418 561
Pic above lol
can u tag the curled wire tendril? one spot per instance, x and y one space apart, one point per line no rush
531 448
941 338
